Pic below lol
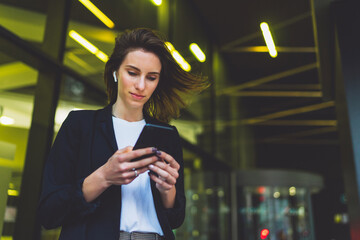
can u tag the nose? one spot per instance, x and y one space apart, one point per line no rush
140 83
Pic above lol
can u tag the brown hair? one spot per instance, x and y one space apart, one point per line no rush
166 101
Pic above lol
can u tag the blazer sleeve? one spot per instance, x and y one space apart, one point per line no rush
176 215
62 199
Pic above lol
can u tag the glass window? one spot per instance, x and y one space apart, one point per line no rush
207 206
17 84
26 20
280 212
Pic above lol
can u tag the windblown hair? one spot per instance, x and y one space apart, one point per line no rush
168 98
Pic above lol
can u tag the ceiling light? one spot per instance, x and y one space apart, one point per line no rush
170 46
6 120
83 42
276 194
268 39
88 45
292 191
12 192
179 59
198 53
102 56
157 2
100 15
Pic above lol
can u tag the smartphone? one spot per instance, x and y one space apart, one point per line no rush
157 136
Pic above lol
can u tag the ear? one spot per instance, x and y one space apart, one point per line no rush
115 78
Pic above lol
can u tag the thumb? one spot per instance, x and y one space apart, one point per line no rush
125 149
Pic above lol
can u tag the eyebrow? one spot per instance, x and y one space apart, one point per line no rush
131 66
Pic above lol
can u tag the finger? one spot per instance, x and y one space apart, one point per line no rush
128 156
132 174
164 185
167 177
123 178
169 159
167 167
125 149
120 155
124 167
142 170
142 152
143 162
125 181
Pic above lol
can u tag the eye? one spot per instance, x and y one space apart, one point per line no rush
131 73
152 78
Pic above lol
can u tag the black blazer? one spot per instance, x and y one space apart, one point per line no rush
85 142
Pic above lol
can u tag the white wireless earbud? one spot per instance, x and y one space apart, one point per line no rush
115 78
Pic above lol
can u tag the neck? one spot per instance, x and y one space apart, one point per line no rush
130 115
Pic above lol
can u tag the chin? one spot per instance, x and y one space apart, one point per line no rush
137 105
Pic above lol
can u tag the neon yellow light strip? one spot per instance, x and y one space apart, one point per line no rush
83 42
183 64
268 39
4 120
170 46
88 45
102 56
157 2
198 53
12 192
179 59
99 14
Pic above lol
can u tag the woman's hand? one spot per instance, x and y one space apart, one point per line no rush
117 170
120 170
167 170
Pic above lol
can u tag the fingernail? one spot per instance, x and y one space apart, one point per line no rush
151 166
154 150
158 153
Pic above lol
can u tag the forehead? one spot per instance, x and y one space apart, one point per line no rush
142 58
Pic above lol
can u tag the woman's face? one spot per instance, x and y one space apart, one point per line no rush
138 77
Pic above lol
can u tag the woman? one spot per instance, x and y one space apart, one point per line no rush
91 188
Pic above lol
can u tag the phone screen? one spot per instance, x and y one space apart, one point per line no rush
157 136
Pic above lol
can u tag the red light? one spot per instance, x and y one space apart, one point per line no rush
264 233
261 190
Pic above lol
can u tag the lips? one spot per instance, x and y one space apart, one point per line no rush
137 96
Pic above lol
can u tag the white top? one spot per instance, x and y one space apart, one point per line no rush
137 203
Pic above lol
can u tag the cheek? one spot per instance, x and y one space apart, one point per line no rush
155 86
124 82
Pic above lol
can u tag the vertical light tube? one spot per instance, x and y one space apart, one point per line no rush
268 39
198 53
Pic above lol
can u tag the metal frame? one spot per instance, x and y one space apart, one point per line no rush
42 127
347 75
267 79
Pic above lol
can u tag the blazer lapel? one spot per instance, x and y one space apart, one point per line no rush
106 126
